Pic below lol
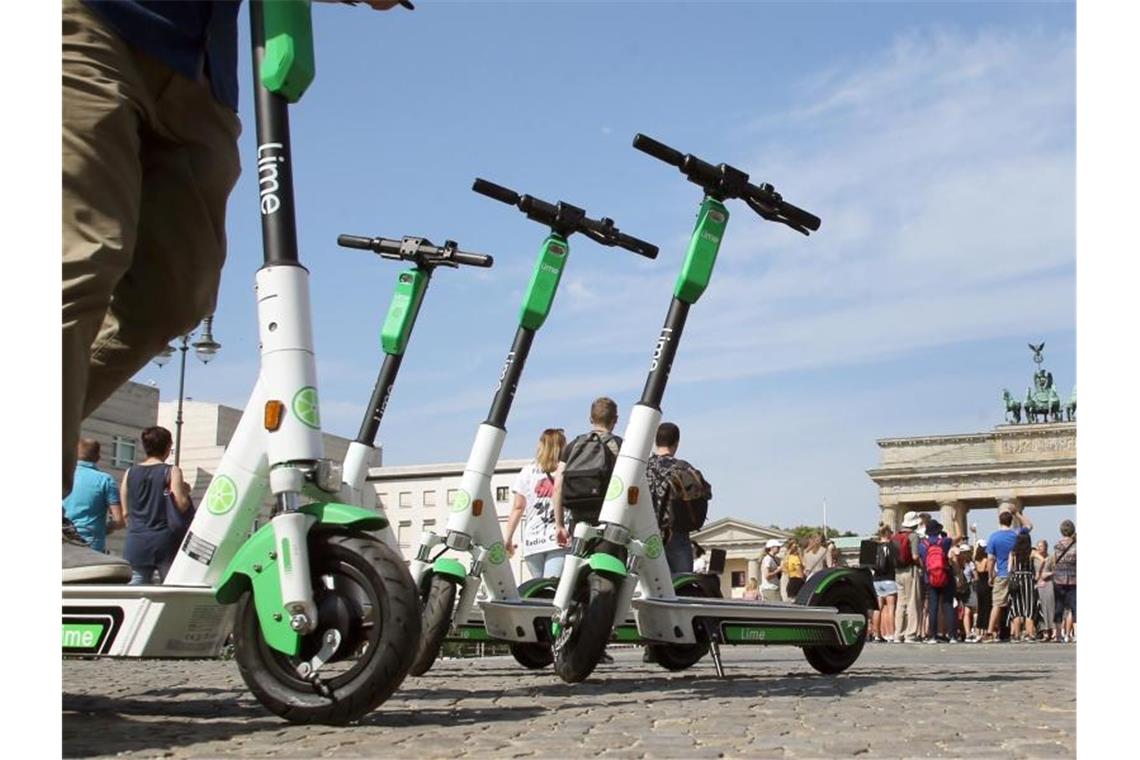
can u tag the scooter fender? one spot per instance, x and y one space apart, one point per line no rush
607 564
450 567
255 567
813 590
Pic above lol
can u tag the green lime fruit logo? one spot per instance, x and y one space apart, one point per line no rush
497 554
653 546
222 495
615 489
306 407
461 501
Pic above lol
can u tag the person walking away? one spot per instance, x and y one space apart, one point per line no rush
907 576
770 571
150 154
934 551
533 491
680 497
93 495
145 490
815 554
983 589
1022 590
1043 572
752 590
886 589
794 568
1065 583
999 546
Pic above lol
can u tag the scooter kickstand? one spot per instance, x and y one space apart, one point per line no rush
713 633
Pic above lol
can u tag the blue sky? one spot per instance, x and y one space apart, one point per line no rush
936 141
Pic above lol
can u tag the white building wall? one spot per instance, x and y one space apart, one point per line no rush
416 497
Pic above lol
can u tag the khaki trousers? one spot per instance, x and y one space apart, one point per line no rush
907 610
149 159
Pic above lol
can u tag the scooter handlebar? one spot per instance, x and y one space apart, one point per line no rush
418 250
472 259
640 247
658 150
354 241
498 192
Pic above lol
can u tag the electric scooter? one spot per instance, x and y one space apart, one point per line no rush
411 286
607 562
324 615
520 616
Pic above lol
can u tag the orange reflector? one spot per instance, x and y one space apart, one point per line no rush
274 413
631 495
477 507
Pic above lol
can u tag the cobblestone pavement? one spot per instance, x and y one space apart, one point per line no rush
962 701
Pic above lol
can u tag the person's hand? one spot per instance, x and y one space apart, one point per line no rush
509 544
562 536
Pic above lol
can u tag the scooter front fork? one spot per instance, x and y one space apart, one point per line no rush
290 531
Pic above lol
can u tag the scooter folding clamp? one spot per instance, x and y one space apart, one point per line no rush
460 542
615 533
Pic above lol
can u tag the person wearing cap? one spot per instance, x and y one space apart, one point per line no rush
907 618
770 571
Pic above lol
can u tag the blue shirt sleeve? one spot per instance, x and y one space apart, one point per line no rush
112 491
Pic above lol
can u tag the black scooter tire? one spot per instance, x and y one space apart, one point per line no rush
831 660
532 655
677 657
382 666
586 637
435 622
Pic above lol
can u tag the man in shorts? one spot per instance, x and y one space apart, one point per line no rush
999 546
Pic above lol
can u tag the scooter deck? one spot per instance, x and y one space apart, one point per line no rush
745 622
117 620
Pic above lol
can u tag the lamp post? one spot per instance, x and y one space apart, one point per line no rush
205 348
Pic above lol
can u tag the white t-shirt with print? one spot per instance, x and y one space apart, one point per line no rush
537 487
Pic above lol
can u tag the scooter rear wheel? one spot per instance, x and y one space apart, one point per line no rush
364 591
535 656
583 640
681 656
438 604
830 660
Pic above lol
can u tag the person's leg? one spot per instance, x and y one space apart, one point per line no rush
104 104
190 164
889 616
141 575
679 553
534 565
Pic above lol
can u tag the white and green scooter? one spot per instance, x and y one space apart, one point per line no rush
623 553
519 616
324 615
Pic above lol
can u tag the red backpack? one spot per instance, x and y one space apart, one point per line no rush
902 542
937 573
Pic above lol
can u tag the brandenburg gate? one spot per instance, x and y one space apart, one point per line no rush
1019 464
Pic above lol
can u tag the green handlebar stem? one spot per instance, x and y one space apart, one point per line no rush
402 312
696 272
544 281
289 65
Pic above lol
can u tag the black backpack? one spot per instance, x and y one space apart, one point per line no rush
587 475
885 559
687 498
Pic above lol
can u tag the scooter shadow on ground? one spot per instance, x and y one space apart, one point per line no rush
169 718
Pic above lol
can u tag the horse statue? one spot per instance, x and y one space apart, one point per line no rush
1012 406
1043 400
1071 407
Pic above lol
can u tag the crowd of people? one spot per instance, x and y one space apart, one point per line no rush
934 588
152 503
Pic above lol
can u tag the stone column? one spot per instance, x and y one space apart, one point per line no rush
962 520
948 513
753 570
890 516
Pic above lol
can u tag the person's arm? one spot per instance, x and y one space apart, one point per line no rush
111 494
1023 518
123 497
560 533
512 522
179 489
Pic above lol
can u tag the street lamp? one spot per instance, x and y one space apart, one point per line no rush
205 348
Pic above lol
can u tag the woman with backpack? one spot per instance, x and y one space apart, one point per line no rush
1065 582
534 490
886 589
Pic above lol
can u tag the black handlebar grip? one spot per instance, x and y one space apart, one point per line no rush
354 241
472 259
498 192
799 216
640 247
660 151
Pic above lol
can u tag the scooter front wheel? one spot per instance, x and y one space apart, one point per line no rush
583 639
836 659
364 592
436 621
